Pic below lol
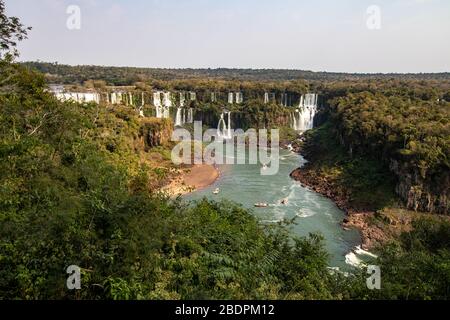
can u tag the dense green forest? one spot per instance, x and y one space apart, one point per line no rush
411 136
127 75
79 185
68 198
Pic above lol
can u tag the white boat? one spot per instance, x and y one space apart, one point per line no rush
216 191
261 205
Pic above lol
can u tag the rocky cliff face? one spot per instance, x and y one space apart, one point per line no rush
429 194
155 132
420 191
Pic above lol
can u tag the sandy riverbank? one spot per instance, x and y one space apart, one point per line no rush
191 179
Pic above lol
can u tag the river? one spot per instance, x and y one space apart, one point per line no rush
315 213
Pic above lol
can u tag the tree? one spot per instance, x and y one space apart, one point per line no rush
11 31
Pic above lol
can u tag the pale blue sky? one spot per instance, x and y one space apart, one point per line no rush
319 35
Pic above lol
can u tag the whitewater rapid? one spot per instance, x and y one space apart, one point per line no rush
314 213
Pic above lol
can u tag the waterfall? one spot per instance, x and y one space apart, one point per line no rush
130 98
182 99
190 116
220 132
167 101
229 126
239 97
294 121
178 120
192 96
230 97
157 99
157 104
306 112
141 108
266 97
213 97
224 130
166 112
79 97
284 99
162 109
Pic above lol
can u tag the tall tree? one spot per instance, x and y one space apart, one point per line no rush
11 31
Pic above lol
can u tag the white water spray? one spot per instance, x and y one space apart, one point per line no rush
230 97
182 99
239 97
190 115
303 118
224 129
178 118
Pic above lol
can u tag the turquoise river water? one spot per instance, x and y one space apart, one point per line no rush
315 213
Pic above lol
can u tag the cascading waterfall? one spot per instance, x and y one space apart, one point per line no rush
192 96
166 112
308 117
182 99
130 98
157 99
167 101
113 98
178 119
190 116
284 99
266 97
294 119
239 97
162 109
141 108
213 97
310 99
224 129
157 104
305 113
230 97
229 126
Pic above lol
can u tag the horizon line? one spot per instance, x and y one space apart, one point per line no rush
235 68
